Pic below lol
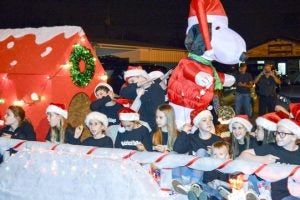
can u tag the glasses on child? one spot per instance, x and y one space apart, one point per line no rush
282 134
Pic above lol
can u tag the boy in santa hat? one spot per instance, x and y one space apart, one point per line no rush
132 134
198 143
286 150
151 94
97 123
105 103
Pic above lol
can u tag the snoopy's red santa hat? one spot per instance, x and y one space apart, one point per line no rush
204 12
241 119
127 114
104 85
58 109
269 121
198 114
135 71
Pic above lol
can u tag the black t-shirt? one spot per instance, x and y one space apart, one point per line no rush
129 139
110 111
279 188
23 132
243 78
102 142
192 142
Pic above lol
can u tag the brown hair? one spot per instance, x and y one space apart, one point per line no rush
220 144
102 87
171 127
19 114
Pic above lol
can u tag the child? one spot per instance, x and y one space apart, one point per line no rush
198 144
151 94
164 137
285 150
97 123
60 131
105 103
212 180
133 135
266 125
240 127
17 126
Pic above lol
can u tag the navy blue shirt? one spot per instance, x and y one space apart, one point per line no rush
129 139
191 142
23 132
243 78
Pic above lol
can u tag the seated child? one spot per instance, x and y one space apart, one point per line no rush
212 180
105 103
132 135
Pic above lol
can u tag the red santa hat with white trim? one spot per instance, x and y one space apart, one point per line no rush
135 71
291 125
197 115
241 119
269 121
127 114
58 109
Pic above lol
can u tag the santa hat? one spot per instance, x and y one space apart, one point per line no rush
58 109
295 111
268 121
156 74
291 125
241 119
135 71
123 101
103 84
96 116
197 115
127 114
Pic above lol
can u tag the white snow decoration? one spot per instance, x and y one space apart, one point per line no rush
42 34
46 52
13 63
10 45
48 175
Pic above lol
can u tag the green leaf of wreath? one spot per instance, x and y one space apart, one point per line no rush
82 79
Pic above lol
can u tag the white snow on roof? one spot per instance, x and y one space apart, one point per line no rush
42 34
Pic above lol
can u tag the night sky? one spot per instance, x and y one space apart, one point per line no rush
158 22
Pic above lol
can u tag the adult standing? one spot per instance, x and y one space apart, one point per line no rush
267 82
243 84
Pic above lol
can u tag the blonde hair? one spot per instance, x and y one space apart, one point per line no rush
57 134
171 127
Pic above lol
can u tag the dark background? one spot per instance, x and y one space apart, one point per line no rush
160 22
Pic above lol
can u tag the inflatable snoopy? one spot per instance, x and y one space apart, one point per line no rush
208 38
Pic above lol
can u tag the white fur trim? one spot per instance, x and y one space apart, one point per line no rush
135 72
242 121
155 74
266 124
200 115
129 117
290 125
229 80
57 110
105 85
96 116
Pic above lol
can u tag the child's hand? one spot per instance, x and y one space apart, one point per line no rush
140 91
269 159
78 131
160 148
6 135
140 147
187 128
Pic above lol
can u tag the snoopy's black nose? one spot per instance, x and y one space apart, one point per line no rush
243 57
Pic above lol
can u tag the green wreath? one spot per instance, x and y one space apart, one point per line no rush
79 78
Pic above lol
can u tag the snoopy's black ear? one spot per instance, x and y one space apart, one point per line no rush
194 41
